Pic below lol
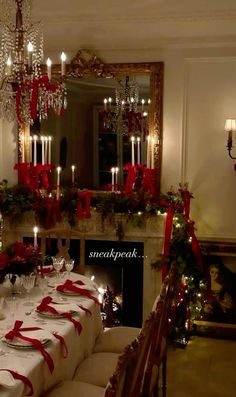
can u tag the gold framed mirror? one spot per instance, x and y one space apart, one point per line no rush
82 66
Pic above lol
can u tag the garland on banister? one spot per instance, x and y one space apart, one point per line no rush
181 248
18 200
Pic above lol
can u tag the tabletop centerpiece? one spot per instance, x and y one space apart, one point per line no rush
18 259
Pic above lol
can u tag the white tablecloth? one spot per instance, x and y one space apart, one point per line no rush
30 362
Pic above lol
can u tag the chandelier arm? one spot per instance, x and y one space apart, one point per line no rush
230 155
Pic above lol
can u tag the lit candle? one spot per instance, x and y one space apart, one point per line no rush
35 236
35 149
105 104
49 149
30 53
109 101
49 68
46 148
116 175
148 151
63 64
58 182
142 102
43 158
132 150
73 174
23 149
138 150
112 178
9 66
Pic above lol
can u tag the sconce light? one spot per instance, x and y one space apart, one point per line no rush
230 126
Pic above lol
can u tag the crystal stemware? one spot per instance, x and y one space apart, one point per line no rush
28 281
69 266
43 284
58 263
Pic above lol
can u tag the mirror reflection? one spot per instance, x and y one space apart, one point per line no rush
108 126
104 127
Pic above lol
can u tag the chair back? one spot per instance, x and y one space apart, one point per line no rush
159 344
128 376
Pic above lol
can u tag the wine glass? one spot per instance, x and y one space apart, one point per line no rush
28 281
58 263
43 284
69 266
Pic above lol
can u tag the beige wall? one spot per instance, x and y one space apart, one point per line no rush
199 93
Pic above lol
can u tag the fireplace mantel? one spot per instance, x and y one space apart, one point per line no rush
150 232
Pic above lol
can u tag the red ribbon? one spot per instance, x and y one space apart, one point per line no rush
23 379
87 311
168 230
83 204
195 245
45 307
16 333
73 286
130 180
62 342
150 181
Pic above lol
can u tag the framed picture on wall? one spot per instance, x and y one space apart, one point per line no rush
217 316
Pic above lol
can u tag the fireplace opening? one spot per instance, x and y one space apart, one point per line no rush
119 265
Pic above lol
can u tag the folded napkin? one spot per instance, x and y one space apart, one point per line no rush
75 287
46 306
63 307
18 332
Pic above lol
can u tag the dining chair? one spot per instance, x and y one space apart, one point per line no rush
126 379
157 358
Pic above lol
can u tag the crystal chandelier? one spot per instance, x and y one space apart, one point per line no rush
129 117
25 93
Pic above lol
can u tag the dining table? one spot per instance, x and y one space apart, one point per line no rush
46 333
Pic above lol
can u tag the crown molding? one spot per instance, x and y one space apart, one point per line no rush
214 15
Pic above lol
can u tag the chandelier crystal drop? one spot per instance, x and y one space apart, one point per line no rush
25 93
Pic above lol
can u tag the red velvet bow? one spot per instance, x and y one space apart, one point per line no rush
150 181
73 286
45 307
83 204
129 184
16 333
23 379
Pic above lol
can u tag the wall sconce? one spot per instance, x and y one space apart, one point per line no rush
230 126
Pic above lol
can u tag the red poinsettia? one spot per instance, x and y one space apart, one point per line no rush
19 258
4 260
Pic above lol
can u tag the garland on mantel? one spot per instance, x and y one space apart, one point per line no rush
74 204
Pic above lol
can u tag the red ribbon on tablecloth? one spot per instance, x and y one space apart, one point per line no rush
62 342
16 333
44 306
69 285
23 379
87 311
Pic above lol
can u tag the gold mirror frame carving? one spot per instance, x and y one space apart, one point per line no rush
85 63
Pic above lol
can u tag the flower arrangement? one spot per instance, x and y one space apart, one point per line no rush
19 258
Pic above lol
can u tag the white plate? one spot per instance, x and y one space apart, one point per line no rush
52 315
88 288
21 344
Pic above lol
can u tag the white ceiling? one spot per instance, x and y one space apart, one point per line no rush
135 24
